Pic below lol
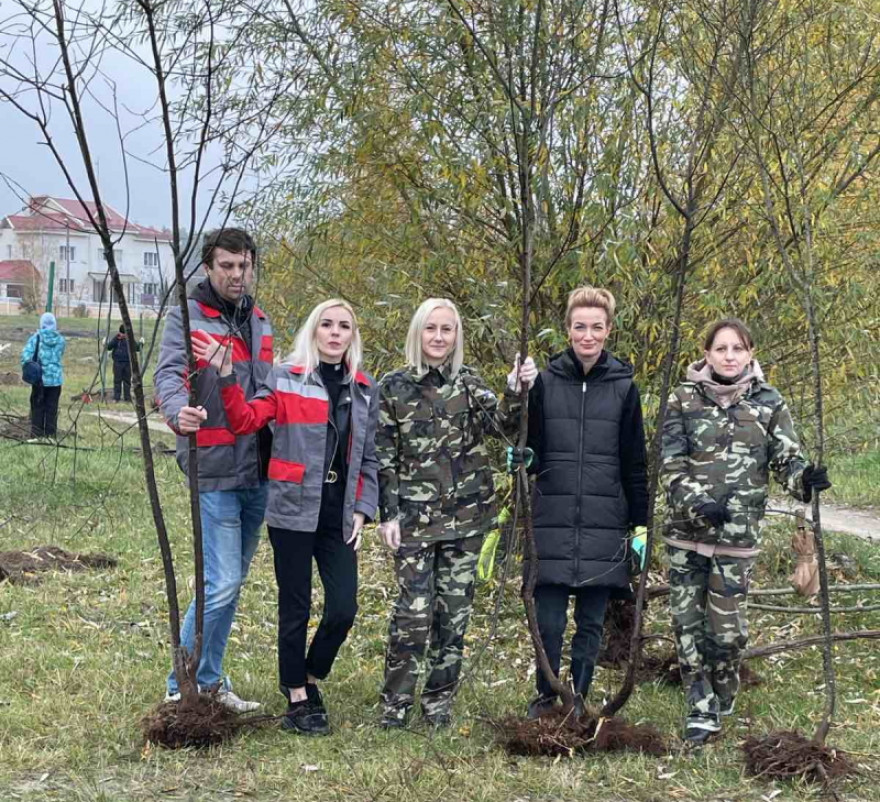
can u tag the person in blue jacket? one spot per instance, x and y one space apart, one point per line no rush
48 344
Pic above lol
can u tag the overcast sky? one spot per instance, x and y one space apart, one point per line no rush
31 169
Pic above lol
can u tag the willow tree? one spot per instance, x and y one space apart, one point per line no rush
210 110
811 116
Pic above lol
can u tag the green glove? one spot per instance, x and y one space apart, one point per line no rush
639 543
517 457
486 563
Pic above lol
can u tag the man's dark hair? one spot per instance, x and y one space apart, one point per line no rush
234 240
122 329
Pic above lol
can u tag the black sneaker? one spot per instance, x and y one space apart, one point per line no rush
699 729
314 696
303 719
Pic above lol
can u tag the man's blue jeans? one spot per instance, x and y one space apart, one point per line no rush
231 521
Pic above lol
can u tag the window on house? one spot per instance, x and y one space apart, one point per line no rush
67 253
14 291
100 291
151 259
65 285
116 253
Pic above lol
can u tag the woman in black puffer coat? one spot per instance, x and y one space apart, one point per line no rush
586 432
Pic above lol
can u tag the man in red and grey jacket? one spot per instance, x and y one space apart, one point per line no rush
232 469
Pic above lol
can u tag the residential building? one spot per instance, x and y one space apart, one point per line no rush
58 230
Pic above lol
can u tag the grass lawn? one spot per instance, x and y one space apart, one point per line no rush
83 656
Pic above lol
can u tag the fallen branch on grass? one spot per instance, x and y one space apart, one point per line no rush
806 610
658 591
810 640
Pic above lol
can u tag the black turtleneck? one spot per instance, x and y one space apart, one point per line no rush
333 377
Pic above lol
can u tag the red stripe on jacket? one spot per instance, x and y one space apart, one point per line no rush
296 409
282 470
214 436
246 417
208 311
267 348
240 351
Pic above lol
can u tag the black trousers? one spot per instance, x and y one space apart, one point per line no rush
44 410
121 380
551 603
337 566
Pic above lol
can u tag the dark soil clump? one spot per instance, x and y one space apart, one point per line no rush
620 618
14 427
20 566
10 379
786 754
559 734
205 722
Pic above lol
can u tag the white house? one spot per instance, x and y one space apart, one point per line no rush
57 230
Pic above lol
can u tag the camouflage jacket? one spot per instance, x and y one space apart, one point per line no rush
434 471
726 455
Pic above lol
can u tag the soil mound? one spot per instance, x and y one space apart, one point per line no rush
205 722
21 566
786 755
559 734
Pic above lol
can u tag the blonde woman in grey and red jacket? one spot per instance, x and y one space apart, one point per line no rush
322 489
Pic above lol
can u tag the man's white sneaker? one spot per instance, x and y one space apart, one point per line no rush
171 697
233 702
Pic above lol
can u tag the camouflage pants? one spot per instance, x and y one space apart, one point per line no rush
436 582
707 596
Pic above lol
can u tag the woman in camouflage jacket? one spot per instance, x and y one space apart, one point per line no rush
725 430
436 501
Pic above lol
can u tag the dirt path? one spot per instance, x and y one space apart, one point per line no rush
864 523
131 419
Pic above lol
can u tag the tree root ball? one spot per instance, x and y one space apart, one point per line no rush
200 723
620 619
786 754
559 734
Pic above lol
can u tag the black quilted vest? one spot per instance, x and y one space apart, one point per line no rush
581 515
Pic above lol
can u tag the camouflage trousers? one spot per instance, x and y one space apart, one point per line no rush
707 596
436 583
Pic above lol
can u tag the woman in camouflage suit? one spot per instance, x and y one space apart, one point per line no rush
436 501
724 431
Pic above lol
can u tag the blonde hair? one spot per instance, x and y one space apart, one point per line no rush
305 346
590 297
413 347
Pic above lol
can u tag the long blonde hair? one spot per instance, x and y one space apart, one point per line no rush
413 347
305 346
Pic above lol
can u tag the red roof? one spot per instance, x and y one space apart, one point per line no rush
18 270
58 214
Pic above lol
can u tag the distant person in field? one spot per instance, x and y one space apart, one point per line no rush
322 489
586 446
437 502
47 347
118 346
233 469
726 430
